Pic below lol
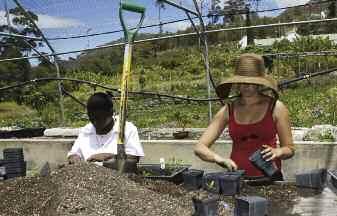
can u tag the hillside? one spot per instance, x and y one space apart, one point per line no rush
175 67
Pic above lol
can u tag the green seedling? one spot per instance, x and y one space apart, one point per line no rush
210 184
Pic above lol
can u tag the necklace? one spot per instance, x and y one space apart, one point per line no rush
99 139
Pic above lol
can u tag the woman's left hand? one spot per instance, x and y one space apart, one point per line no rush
270 153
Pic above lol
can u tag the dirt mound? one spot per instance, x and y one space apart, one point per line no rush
88 189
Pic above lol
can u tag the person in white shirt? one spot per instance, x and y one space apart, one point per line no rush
97 141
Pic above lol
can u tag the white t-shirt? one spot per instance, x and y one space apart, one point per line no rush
89 143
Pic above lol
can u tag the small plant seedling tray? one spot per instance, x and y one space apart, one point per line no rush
170 173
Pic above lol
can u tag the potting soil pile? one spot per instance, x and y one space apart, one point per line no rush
88 189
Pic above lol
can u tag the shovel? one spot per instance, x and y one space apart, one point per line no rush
129 36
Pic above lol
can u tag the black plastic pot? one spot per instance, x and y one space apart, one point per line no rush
205 207
313 179
251 206
333 178
210 182
229 184
267 167
170 173
193 179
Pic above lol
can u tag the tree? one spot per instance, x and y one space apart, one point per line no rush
13 47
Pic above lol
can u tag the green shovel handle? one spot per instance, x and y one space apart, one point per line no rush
128 6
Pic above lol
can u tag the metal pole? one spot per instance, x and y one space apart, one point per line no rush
53 54
203 39
180 7
20 36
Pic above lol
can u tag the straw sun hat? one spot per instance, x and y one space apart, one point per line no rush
249 69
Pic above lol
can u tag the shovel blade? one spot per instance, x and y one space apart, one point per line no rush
121 158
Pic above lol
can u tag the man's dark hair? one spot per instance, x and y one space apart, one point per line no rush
100 101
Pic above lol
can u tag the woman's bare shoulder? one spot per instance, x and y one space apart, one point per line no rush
280 109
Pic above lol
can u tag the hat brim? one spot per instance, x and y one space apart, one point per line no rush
224 88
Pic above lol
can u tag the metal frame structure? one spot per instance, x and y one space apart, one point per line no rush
201 34
185 35
43 38
202 45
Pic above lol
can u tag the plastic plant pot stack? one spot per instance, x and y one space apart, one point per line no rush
267 167
205 207
312 179
251 206
193 179
14 162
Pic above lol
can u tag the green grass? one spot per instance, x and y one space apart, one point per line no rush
180 72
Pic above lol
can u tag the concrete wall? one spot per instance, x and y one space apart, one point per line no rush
309 155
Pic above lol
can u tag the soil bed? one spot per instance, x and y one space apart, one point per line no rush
87 189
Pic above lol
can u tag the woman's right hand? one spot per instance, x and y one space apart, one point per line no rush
227 163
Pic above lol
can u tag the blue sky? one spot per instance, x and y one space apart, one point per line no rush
62 18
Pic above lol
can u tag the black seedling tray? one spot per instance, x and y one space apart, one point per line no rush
170 173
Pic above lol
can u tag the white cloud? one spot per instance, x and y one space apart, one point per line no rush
287 3
173 27
46 21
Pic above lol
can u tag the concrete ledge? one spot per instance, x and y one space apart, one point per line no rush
309 154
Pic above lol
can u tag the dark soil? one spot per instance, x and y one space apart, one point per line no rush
87 189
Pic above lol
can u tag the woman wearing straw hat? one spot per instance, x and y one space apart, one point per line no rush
255 119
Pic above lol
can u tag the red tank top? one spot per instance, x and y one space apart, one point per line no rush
247 138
